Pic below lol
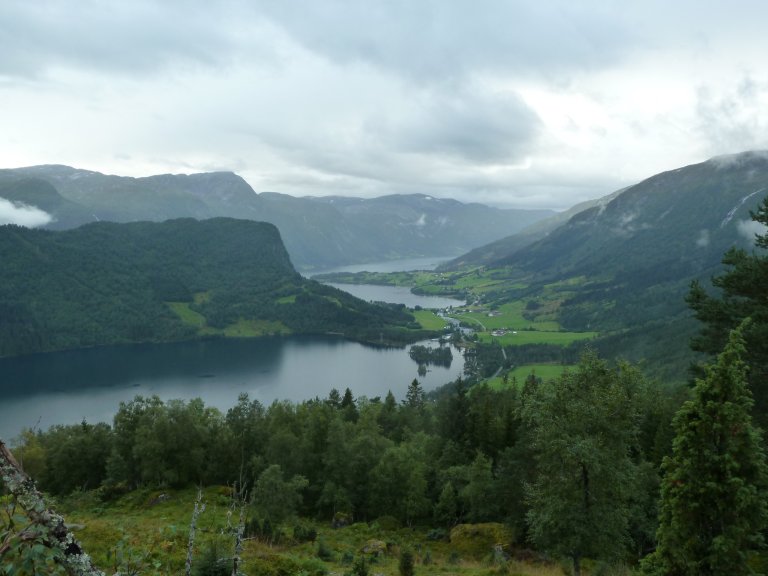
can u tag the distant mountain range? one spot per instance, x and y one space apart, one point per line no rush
624 264
318 232
109 283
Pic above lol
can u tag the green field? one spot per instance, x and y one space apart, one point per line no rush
508 316
187 315
537 337
429 320
240 329
519 374
251 328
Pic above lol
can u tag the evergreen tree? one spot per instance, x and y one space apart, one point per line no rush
348 399
742 294
334 398
713 501
583 430
446 508
405 563
414 397
388 417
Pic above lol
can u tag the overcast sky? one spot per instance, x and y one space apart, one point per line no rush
524 103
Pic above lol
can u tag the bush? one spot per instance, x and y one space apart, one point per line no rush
304 533
427 560
405 565
323 551
437 534
388 523
273 565
360 567
210 563
477 540
314 567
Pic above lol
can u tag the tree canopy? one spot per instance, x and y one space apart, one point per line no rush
741 293
713 495
584 429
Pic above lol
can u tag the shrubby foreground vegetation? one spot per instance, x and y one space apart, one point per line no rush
571 467
464 456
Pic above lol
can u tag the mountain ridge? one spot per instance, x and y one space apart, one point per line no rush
319 232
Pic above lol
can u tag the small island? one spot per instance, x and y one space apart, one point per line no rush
424 355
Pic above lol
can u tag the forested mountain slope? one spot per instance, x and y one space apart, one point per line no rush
624 266
107 283
505 247
318 232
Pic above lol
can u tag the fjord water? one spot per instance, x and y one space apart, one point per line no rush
394 294
41 390
68 387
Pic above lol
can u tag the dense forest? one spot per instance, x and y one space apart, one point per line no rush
107 283
460 455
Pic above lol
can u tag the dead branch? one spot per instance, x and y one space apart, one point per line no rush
199 509
22 487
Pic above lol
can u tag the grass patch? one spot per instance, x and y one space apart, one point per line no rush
537 337
429 320
509 316
240 329
147 533
252 328
187 315
518 375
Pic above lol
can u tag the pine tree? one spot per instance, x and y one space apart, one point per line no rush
743 293
414 397
713 502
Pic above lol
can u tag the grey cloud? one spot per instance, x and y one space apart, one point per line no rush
733 120
470 127
436 137
737 159
22 215
436 39
110 36
748 229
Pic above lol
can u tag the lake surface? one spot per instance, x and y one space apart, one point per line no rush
67 387
394 294
404 265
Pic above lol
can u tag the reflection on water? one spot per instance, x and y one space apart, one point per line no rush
66 387
396 295
404 265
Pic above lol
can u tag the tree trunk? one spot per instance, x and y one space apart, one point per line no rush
576 565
